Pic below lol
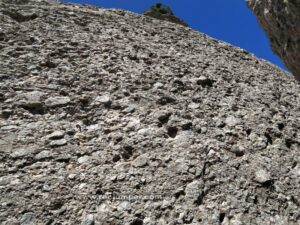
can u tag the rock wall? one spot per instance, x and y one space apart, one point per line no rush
281 22
112 118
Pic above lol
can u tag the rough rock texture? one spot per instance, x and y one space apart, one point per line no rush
108 117
281 21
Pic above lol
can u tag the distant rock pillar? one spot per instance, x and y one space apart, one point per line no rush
280 19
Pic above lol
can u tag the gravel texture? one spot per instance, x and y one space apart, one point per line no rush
281 22
109 117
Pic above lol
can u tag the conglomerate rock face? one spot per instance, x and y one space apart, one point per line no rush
108 117
281 21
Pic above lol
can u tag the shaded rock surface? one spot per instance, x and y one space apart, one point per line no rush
108 117
281 22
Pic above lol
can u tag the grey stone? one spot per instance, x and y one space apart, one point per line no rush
262 176
129 109
11 221
5 180
296 171
194 105
123 206
58 142
72 176
28 219
231 121
194 191
9 128
83 159
149 221
163 116
57 101
145 132
104 99
157 85
104 212
55 135
47 188
22 151
140 161
33 99
88 220
43 155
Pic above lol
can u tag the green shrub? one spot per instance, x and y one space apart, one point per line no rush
162 9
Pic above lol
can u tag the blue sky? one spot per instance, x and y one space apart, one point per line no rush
227 20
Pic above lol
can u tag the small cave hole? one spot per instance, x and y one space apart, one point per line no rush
137 222
280 126
269 138
288 143
255 200
248 131
127 152
116 158
269 184
222 217
172 132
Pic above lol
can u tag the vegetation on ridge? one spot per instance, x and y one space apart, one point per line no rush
162 9
163 12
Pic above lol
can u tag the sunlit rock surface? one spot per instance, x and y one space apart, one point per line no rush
109 117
